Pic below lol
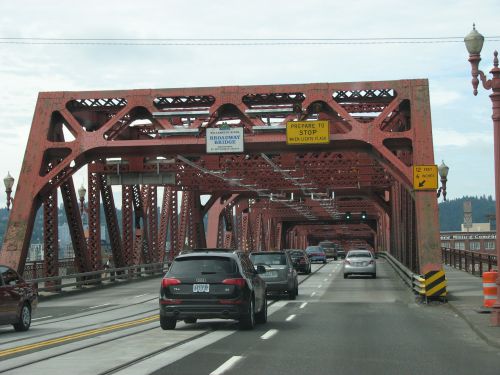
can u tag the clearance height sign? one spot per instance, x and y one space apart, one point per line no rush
307 132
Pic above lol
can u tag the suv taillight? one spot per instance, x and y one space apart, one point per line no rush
238 282
167 281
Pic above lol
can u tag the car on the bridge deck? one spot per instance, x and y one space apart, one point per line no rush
300 260
360 262
213 283
329 248
280 276
18 299
316 254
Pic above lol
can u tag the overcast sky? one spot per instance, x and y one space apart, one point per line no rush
462 125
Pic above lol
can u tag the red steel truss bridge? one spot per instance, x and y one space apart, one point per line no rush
146 146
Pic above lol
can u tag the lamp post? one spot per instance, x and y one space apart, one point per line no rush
474 44
81 194
9 182
443 173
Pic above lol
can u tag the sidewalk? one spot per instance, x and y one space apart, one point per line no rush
465 297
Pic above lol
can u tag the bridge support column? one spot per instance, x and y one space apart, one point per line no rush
94 222
50 237
112 223
127 225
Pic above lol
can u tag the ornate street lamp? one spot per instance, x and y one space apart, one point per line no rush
474 44
443 173
81 194
9 182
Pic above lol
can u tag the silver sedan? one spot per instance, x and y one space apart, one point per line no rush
360 262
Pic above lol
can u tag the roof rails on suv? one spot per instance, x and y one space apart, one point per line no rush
210 249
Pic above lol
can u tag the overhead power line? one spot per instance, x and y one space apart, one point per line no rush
232 41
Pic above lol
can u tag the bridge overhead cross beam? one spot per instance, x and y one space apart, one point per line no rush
377 131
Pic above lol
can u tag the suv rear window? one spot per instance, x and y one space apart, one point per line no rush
359 255
203 265
269 259
313 249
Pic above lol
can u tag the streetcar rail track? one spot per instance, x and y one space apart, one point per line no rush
127 334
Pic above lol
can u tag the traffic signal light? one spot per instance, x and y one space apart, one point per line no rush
363 215
348 216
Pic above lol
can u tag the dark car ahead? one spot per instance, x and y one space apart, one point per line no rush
330 248
206 284
18 299
316 254
280 276
340 252
300 261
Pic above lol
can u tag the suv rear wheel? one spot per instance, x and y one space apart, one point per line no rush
292 294
167 323
247 321
261 316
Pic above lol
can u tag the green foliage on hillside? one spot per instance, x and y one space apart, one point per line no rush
451 212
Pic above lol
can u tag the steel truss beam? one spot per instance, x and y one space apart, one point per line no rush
378 131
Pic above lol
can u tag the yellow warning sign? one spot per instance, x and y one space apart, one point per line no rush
307 132
425 177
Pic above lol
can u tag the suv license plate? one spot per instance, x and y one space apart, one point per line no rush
201 288
269 274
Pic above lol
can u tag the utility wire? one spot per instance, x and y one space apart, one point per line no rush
231 41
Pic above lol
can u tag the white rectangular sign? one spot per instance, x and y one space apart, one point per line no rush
227 140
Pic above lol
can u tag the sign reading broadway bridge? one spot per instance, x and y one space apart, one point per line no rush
307 132
224 139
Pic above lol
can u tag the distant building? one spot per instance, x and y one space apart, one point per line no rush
480 241
477 227
473 237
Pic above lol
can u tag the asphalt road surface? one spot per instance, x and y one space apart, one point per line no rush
336 326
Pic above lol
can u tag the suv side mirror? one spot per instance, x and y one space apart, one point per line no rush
261 269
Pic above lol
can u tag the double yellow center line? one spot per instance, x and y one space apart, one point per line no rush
76 336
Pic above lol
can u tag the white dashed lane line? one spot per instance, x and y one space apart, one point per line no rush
42 317
313 294
95 307
290 317
227 365
303 305
141 295
269 334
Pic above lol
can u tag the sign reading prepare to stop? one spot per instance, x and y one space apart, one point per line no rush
307 132
425 177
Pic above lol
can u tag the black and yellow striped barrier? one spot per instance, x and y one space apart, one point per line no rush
431 286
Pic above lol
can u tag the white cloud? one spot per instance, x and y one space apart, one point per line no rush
441 97
26 70
454 138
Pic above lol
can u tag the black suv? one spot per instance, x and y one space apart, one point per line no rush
207 283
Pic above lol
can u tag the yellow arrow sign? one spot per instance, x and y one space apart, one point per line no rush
425 177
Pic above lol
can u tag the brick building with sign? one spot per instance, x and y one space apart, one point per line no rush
476 238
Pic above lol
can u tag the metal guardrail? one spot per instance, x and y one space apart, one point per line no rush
405 273
429 286
35 269
95 278
470 261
